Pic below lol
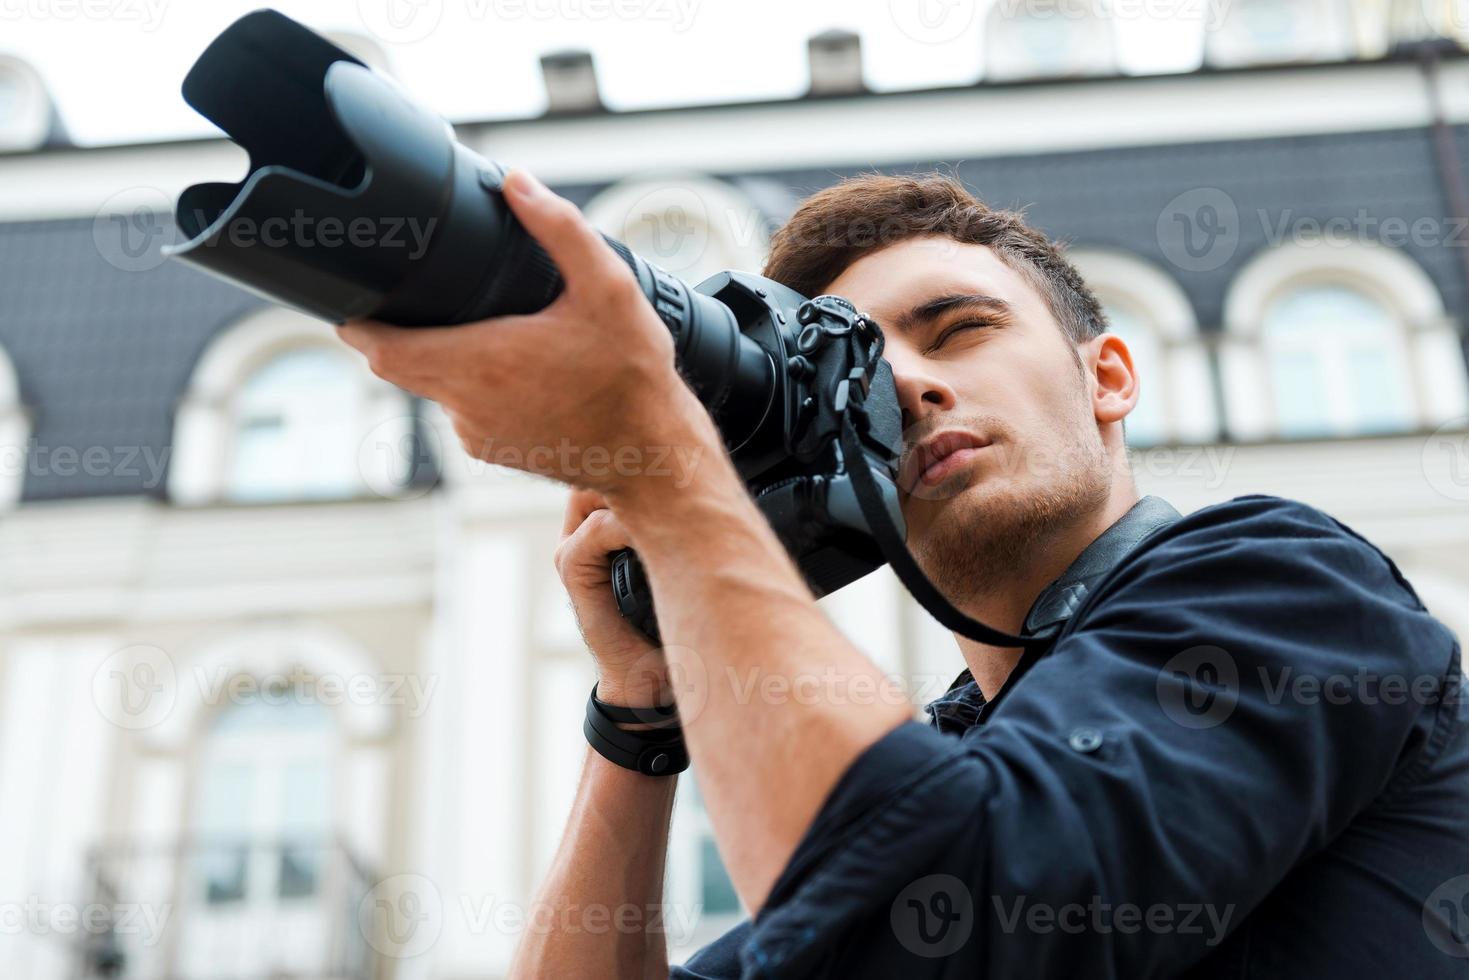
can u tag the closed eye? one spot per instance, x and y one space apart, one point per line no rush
960 327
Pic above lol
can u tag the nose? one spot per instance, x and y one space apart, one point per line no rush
921 392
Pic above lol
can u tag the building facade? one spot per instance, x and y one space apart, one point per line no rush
289 684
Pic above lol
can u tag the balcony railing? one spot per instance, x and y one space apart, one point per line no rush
228 910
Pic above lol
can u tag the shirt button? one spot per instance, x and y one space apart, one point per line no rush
1085 740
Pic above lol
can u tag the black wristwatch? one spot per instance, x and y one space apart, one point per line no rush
655 751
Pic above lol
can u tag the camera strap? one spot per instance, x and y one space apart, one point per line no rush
895 549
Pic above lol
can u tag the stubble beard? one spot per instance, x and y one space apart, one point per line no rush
982 539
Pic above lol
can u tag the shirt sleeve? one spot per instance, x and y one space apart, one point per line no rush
1162 757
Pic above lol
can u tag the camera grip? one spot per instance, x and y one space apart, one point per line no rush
634 596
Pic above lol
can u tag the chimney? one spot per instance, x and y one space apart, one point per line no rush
835 59
571 82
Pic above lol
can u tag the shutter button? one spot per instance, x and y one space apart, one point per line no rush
1085 740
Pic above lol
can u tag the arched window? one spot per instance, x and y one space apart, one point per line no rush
697 878
1337 363
296 428
27 115
1068 38
1326 339
261 836
15 427
1255 32
691 225
1149 311
278 410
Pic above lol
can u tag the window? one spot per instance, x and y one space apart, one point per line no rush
1067 38
25 107
296 429
256 887
264 804
15 430
1337 364
697 879
1254 32
692 226
278 410
1147 425
1338 339
1150 311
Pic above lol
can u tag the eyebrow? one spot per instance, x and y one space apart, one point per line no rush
919 316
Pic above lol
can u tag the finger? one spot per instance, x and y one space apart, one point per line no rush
578 506
419 357
568 238
599 536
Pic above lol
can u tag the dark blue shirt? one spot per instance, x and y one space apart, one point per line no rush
1244 753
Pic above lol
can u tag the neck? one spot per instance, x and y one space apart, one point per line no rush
1006 606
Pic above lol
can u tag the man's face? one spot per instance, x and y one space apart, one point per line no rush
1002 442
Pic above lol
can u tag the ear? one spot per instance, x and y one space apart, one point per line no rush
1115 389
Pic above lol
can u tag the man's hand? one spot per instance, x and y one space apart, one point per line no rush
584 391
630 670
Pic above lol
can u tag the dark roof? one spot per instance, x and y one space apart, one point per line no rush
104 355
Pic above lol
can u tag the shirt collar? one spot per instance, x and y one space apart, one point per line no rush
959 709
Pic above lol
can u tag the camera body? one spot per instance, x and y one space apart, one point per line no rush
330 140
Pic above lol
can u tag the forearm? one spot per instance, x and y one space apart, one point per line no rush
599 913
776 703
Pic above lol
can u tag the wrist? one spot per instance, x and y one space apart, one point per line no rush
634 692
685 453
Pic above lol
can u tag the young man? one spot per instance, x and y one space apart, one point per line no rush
1147 791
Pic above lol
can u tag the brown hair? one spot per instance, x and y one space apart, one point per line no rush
837 226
